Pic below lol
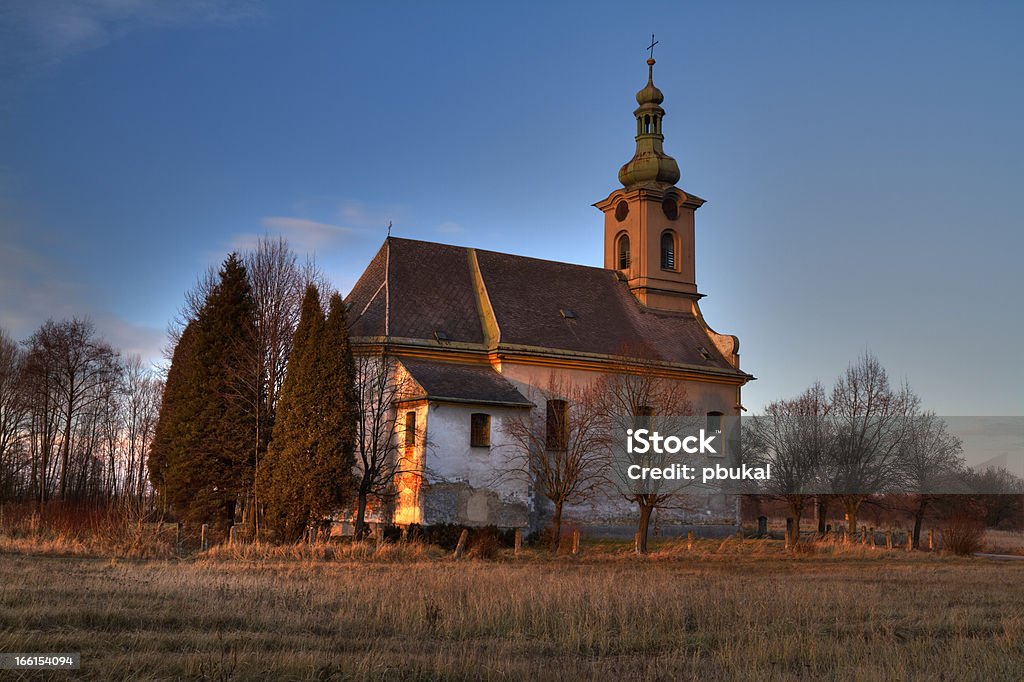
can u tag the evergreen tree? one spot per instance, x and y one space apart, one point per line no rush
306 474
177 409
204 453
336 481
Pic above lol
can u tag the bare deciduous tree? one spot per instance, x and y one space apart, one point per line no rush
70 370
637 393
561 449
794 437
930 460
139 411
13 413
871 420
380 457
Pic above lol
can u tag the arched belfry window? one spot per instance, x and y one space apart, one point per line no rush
647 124
623 252
668 250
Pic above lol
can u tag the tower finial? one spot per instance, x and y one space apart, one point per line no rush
650 60
650 164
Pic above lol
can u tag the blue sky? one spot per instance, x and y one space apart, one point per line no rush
861 163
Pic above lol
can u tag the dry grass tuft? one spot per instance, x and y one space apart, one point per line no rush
388 552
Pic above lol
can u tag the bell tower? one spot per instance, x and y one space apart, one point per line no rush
648 224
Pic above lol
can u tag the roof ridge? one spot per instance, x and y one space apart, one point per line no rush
502 253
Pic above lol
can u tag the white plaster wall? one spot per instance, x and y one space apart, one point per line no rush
449 459
463 484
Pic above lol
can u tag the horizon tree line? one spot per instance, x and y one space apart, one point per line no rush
76 417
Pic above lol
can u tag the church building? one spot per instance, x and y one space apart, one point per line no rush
479 337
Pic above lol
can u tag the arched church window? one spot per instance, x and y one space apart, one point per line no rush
668 250
647 124
623 252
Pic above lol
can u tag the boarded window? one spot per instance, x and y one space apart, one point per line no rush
410 429
668 251
557 425
624 252
480 430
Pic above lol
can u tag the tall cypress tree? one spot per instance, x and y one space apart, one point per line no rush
337 452
171 438
306 474
204 441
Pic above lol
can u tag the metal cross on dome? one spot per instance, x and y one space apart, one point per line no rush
651 46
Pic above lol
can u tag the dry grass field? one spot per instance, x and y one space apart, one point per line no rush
727 610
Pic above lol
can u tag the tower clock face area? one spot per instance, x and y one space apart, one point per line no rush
621 210
670 207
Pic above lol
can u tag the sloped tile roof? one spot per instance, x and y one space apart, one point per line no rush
537 303
463 383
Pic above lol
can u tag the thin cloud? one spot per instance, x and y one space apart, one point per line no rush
303 235
40 34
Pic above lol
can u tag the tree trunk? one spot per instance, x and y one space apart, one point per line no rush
822 513
642 526
852 506
918 519
361 516
556 527
65 456
796 507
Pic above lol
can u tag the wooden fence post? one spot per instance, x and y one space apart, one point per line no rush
575 541
931 540
888 538
518 541
463 536
231 534
689 541
910 540
203 537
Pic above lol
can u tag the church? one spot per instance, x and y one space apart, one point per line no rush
477 339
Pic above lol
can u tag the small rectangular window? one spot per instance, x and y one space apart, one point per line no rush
557 425
480 430
410 429
714 427
644 418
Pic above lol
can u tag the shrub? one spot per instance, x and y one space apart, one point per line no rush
484 543
446 535
962 535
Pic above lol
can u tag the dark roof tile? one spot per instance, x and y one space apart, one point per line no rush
463 383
